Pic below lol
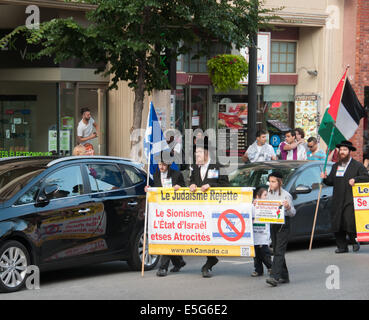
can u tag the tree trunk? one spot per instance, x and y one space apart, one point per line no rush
136 138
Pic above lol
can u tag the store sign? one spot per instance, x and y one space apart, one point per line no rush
263 57
306 114
6 154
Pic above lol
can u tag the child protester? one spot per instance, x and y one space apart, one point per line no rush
279 233
261 241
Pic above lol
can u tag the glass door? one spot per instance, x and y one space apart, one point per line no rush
94 98
199 97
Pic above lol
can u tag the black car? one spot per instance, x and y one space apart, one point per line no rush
302 180
65 212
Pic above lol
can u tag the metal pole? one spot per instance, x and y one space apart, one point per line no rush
252 85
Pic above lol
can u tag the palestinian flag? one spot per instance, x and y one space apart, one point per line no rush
344 113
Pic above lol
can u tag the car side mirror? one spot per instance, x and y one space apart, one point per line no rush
50 189
47 192
302 189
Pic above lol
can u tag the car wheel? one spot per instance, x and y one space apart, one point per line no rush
14 261
135 261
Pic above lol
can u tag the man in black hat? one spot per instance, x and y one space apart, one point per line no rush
166 177
206 174
344 174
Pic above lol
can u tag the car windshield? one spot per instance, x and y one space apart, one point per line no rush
257 176
15 175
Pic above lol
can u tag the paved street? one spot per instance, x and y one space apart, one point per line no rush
232 279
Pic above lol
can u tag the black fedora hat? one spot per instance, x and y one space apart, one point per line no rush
346 144
276 174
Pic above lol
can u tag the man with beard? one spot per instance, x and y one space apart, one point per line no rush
344 174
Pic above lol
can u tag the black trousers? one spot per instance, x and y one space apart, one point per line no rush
279 235
176 261
262 255
210 262
341 239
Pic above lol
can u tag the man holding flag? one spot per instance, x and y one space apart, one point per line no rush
154 145
339 124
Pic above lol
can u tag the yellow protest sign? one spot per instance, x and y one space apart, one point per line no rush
361 204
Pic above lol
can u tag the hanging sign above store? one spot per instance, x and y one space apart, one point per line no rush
263 69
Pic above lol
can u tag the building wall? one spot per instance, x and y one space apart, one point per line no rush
359 18
320 47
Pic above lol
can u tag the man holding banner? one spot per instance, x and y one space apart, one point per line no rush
343 176
166 177
206 175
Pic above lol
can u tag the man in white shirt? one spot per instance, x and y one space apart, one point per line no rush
86 128
260 150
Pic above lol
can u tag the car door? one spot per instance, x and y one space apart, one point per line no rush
68 217
115 190
305 204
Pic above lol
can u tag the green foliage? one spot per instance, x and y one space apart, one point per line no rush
226 71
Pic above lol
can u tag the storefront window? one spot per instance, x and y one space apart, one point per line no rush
232 108
28 112
33 113
279 104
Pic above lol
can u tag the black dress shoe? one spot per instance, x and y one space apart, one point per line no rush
273 282
177 268
341 250
284 280
161 273
256 274
206 273
356 247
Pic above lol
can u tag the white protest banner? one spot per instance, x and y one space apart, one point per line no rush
213 223
261 234
269 211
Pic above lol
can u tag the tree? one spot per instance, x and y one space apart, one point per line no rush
126 37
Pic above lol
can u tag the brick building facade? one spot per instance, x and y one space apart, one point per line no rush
360 69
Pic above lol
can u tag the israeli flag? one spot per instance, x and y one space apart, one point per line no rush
154 141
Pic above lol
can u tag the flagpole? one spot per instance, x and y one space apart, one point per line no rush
146 206
324 168
320 190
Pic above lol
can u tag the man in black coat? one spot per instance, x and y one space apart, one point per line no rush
167 177
344 174
206 175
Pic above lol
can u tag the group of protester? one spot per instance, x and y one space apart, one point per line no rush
293 148
206 174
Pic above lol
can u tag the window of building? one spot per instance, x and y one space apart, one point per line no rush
186 63
283 57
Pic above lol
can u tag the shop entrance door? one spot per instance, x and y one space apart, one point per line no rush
94 97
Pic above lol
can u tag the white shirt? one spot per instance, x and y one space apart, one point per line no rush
163 177
85 130
203 169
341 169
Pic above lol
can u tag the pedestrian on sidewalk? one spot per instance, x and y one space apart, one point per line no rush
280 232
261 241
